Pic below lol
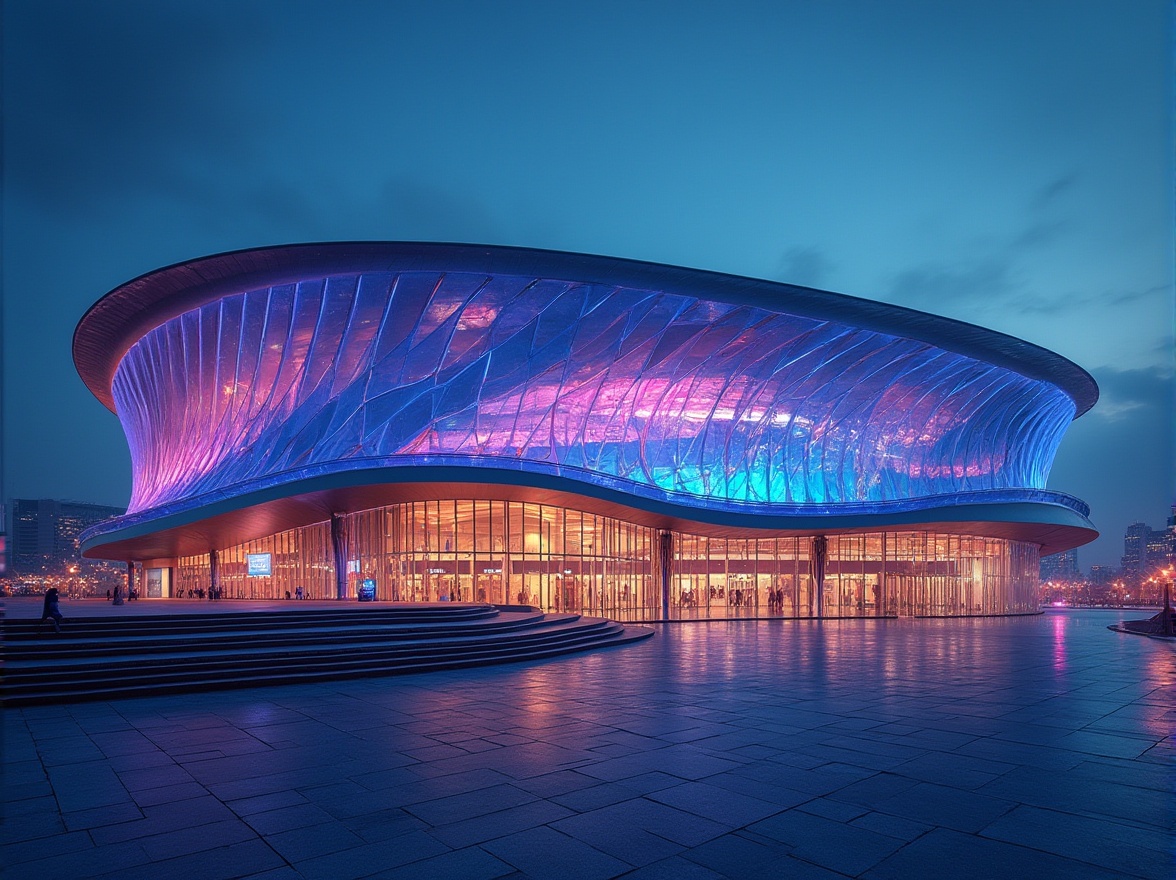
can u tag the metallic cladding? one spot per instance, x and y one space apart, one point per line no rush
714 405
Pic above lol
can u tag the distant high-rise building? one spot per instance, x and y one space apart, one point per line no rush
1135 551
1158 552
1060 566
1102 574
44 533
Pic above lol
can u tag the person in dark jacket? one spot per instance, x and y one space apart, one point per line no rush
51 610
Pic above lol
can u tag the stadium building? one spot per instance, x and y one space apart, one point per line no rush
434 422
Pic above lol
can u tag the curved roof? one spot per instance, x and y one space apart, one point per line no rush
1054 521
118 320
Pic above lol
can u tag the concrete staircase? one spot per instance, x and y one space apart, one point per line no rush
110 657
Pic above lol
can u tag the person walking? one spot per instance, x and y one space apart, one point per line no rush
51 611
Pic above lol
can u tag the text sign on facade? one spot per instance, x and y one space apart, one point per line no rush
259 564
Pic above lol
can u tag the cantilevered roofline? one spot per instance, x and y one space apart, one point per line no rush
1053 521
120 318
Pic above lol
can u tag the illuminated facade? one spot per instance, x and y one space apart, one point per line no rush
450 422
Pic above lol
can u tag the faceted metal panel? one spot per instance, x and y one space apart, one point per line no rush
706 403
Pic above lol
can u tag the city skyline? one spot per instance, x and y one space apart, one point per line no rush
1017 177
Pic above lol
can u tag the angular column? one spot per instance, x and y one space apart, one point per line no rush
818 558
665 557
214 572
339 548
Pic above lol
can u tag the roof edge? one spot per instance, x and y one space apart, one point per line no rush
116 321
221 520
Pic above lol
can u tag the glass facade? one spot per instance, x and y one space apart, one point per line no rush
681 398
565 560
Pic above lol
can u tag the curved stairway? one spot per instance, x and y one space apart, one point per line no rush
110 657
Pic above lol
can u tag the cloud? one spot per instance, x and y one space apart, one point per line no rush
1039 234
1068 303
806 266
1119 457
1123 392
928 286
1054 190
130 100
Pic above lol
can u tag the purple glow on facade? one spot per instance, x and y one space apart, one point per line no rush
714 404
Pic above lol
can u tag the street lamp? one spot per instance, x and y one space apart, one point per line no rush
1166 620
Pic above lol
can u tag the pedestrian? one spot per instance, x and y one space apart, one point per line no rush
51 610
118 599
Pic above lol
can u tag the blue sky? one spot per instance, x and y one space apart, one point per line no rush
1007 164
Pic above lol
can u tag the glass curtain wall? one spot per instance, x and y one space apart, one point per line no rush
297 558
559 559
509 553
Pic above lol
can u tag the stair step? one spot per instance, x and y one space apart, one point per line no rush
101 658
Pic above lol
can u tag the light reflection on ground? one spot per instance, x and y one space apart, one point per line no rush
978 747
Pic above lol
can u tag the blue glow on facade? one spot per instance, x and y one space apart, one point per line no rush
706 403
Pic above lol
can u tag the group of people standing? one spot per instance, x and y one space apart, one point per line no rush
117 599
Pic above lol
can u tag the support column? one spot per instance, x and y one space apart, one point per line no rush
665 556
339 547
214 573
818 558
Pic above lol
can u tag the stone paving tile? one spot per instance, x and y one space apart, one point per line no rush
287 819
266 802
891 826
167 794
557 783
312 841
164 818
1134 852
717 804
685 829
222 863
628 842
500 824
87 786
469 805
1120 772
185 841
732 854
1061 791
371 858
545 852
100 816
949 807
813 755
601 795
684 761
384 825
771 793
32 850
283 873
828 808
952 769
946 853
1105 744
472 863
90 862
829 843
674 868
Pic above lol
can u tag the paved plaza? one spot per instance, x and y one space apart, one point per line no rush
1011 747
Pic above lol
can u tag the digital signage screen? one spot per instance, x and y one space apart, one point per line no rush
259 564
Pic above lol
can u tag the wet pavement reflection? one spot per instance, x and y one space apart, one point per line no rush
884 748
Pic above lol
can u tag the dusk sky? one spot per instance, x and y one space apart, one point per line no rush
1008 164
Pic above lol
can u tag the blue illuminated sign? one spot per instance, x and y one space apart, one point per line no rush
259 564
